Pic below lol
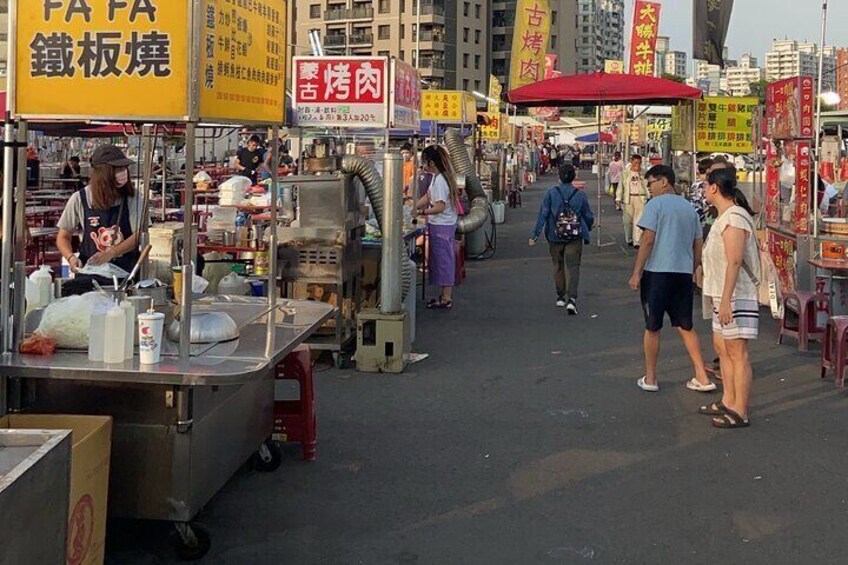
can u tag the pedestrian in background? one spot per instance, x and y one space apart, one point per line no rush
731 264
439 205
671 247
566 219
616 167
632 196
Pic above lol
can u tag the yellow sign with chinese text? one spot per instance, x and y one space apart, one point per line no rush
495 91
725 124
496 129
448 106
243 61
100 59
612 67
530 42
682 122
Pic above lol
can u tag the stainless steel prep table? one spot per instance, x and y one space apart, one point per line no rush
182 428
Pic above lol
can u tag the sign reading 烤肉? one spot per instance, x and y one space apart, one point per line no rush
341 91
121 58
243 60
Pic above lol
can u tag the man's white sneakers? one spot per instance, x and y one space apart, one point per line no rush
572 308
560 303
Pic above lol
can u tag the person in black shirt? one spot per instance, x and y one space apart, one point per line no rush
250 158
72 170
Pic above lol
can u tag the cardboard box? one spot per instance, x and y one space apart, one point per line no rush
90 452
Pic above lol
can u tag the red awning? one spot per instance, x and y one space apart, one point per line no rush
602 89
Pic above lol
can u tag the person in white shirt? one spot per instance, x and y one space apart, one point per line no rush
632 196
731 264
439 205
616 167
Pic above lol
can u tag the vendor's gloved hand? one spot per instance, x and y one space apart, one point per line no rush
101 258
75 263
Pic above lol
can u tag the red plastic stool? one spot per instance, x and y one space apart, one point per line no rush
296 420
835 348
804 305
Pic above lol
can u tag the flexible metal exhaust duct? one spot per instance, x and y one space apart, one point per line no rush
367 173
479 212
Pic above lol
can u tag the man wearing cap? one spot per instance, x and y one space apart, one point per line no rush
106 214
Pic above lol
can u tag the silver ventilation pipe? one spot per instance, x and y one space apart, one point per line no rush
366 172
479 212
391 289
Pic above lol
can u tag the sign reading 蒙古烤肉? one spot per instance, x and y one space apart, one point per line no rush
100 58
132 59
341 91
243 60
725 124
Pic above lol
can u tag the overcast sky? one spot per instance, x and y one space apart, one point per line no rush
756 23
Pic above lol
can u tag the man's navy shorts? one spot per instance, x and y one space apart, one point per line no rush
667 293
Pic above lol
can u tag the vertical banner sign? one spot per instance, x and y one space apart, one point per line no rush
530 42
341 91
772 185
803 176
782 251
87 59
682 122
495 92
243 61
406 96
725 125
643 42
789 108
712 19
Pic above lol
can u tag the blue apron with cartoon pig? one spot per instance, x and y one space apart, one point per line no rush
103 229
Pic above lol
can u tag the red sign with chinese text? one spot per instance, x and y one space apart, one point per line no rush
772 186
406 96
803 176
643 42
782 252
789 108
341 91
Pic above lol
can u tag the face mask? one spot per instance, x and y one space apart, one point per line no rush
122 177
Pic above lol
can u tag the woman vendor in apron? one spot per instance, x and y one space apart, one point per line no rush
105 214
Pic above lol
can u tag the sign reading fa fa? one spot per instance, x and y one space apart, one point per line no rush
72 8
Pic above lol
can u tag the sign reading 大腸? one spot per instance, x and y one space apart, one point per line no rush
101 58
131 59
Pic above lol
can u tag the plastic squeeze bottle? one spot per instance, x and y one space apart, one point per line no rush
116 329
129 328
97 335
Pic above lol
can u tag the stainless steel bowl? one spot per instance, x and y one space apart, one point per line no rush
207 327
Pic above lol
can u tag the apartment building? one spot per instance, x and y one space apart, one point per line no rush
741 76
453 43
563 18
842 77
788 58
599 33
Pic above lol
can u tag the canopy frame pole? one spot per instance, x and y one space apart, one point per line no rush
818 133
599 163
8 234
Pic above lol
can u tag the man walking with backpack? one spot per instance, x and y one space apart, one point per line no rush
566 219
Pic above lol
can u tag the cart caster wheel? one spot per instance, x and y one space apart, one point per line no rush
269 456
193 541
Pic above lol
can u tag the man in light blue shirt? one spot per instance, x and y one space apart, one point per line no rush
670 249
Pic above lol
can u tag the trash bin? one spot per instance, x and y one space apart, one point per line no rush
90 451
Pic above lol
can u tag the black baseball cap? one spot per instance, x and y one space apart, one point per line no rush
110 155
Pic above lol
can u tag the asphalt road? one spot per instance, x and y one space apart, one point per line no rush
524 440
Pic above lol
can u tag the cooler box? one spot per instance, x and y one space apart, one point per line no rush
90 452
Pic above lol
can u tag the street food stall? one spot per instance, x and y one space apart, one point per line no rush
184 425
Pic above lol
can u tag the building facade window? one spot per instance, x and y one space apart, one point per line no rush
477 62
384 32
466 9
315 11
465 34
383 7
477 36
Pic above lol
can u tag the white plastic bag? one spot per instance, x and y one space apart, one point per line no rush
67 320
105 270
237 184
202 176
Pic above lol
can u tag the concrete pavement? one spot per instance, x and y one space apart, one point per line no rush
523 440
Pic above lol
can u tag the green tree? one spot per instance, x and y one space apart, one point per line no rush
758 89
674 78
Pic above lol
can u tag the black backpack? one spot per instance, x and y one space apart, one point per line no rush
567 220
